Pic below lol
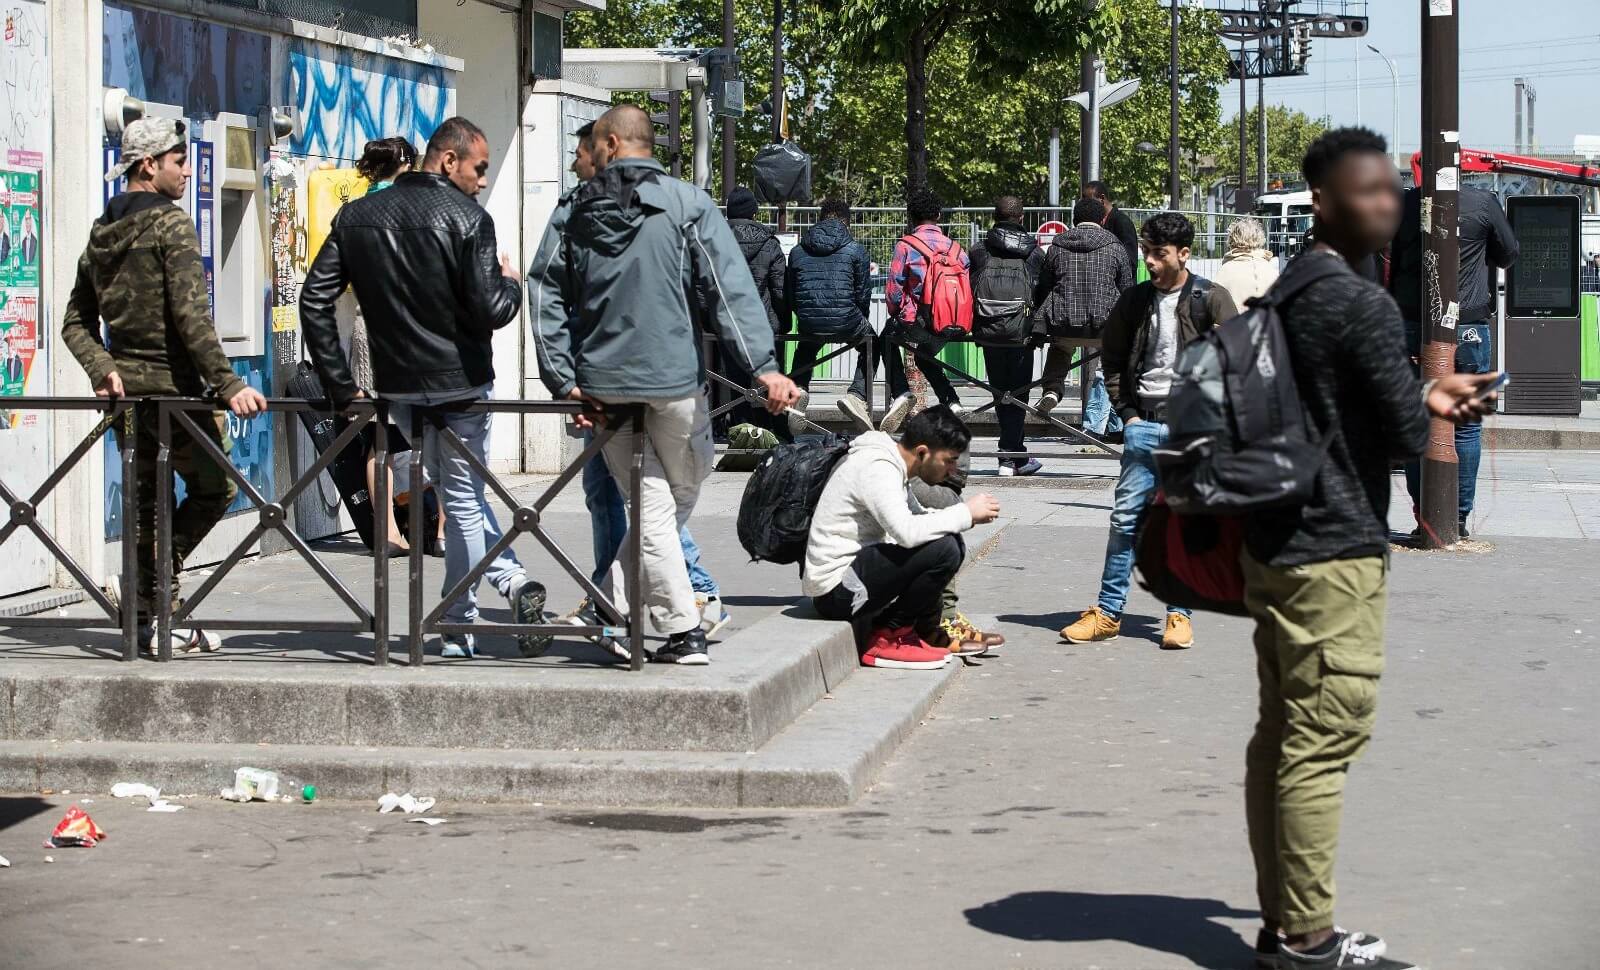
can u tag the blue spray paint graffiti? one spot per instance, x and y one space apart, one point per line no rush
348 97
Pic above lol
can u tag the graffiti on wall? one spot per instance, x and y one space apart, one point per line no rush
24 85
201 67
348 97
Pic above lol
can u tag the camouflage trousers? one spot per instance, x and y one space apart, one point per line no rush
207 493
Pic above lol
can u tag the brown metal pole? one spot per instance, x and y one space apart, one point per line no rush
1441 259
1174 185
1244 149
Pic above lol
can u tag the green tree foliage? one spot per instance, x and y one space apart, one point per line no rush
989 111
1289 133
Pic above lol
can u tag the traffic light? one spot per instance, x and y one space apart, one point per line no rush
1299 47
671 123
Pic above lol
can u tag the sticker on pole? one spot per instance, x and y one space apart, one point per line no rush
1049 231
1441 8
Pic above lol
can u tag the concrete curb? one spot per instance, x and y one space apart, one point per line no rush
763 678
825 759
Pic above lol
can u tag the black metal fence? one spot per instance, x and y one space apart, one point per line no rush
179 414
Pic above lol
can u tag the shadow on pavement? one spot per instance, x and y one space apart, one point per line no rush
17 809
1170 924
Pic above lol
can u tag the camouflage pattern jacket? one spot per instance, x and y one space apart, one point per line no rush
141 273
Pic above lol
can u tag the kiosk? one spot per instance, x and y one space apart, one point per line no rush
1541 345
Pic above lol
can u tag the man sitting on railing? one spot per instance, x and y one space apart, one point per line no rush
830 289
142 274
616 311
421 257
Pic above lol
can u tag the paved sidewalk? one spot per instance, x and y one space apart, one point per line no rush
1064 806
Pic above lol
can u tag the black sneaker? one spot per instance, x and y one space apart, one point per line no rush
1358 951
685 648
1267 950
527 607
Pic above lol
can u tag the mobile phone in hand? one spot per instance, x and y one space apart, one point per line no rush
1493 386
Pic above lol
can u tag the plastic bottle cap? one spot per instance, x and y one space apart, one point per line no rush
309 793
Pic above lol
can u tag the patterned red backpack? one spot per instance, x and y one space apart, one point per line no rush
944 307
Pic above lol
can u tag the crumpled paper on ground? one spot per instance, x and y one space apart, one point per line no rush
408 803
133 789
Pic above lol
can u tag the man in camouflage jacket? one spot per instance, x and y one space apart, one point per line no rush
141 273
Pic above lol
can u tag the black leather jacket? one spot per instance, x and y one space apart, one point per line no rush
422 259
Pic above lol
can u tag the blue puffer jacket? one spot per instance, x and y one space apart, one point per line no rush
829 282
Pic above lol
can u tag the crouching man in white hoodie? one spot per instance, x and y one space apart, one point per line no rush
876 554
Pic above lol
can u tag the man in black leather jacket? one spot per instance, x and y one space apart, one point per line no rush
433 287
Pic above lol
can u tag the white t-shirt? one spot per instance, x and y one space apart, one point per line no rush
1161 350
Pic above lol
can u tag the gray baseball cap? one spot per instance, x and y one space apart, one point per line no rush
147 138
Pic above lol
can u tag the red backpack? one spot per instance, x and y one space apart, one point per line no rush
944 306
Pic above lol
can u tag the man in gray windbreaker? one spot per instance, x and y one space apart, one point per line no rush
628 273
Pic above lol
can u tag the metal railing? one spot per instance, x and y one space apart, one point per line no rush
177 415
24 513
923 360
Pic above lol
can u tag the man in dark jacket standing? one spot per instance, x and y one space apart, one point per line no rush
1143 333
433 287
1001 304
830 287
764 253
1316 576
142 274
1487 244
1085 271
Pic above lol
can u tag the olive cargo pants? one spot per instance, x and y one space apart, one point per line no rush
208 491
1319 654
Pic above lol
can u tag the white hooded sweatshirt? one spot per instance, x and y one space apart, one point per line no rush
866 503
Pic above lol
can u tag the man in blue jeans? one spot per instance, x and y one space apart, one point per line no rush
431 339
1142 336
1487 244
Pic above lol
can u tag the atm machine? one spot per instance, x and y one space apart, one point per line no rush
1541 345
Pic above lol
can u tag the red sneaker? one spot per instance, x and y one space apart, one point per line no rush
904 649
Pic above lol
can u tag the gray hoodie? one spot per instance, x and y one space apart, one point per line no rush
633 267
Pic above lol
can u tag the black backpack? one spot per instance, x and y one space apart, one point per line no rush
775 513
1000 301
1239 440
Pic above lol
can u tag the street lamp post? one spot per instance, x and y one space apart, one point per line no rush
1394 97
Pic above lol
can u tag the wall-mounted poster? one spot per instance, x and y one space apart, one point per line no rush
21 228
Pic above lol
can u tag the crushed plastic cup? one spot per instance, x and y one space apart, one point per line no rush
408 803
252 784
75 828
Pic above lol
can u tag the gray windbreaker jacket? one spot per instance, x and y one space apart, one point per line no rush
633 267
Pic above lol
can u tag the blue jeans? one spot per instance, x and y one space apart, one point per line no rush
1474 355
470 529
1136 488
608 518
1098 415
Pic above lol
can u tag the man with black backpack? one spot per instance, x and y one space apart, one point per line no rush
1142 336
1085 271
1315 570
1004 269
875 554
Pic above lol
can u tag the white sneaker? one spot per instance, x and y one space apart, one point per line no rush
899 410
184 640
796 415
1007 470
855 408
1048 401
713 616
959 410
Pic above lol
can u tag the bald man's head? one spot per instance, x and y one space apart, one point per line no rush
623 132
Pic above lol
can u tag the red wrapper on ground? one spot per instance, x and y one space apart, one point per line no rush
75 828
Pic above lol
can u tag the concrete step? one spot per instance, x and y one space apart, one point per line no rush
826 758
760 680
